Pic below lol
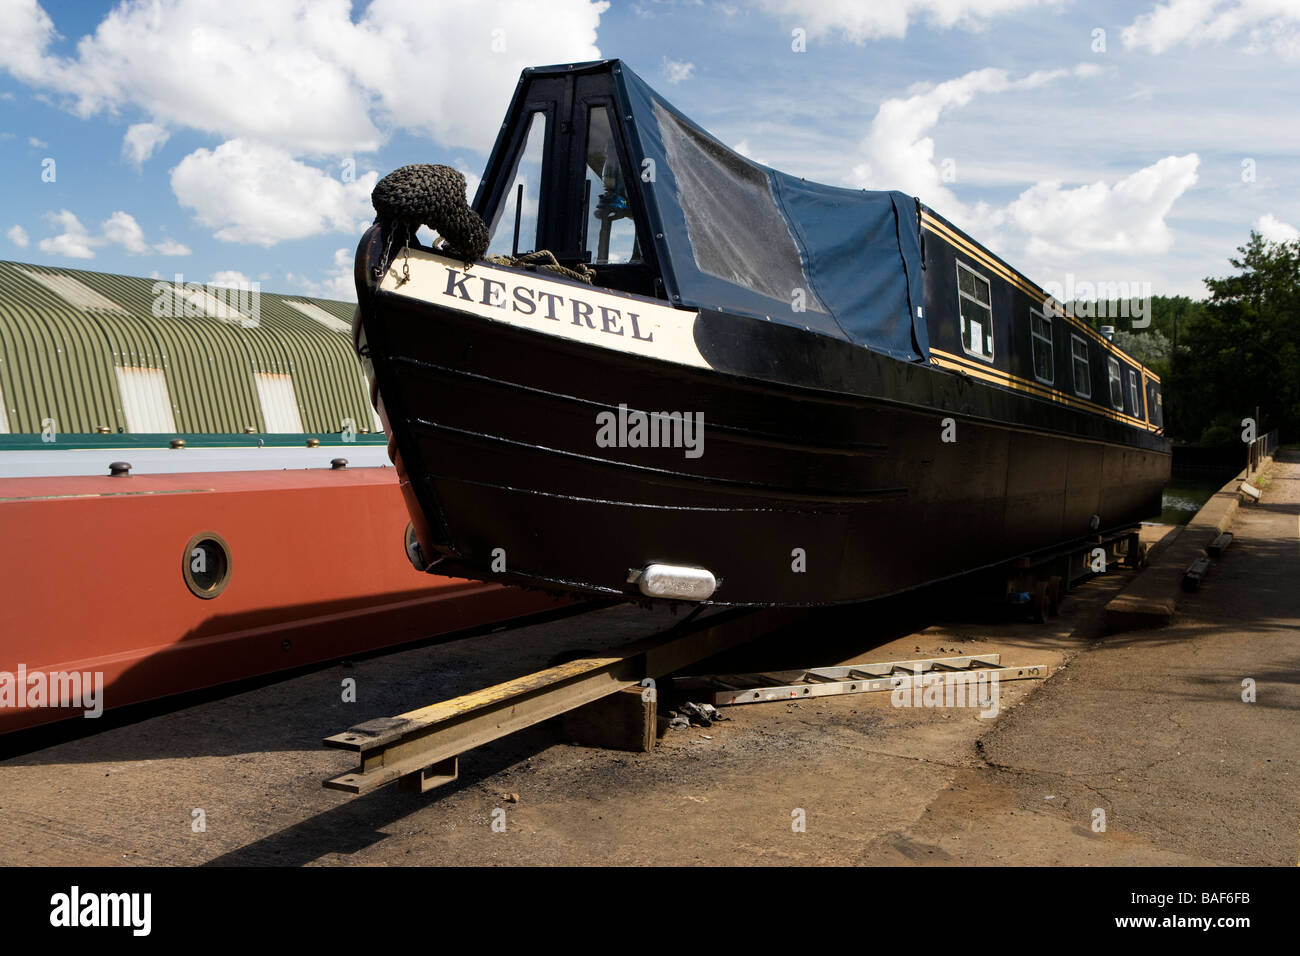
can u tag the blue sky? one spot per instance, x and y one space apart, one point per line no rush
240 139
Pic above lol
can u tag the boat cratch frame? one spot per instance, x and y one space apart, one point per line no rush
884 402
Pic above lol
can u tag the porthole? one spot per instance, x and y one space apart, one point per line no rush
206 565
414 553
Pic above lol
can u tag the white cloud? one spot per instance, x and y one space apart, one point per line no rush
1101 225
74 242
77 242
338 282
308 81
858 21
27 31
121 228
170 247
465 86
230 279
18 236
252 192
899 153
1267 25
472 179
1273 229
744 149
38 143
1126 217
302 74
141 141
677 71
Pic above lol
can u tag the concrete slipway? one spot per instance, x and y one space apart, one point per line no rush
1148 726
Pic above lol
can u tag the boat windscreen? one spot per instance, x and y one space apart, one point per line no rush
528 174
610 229
735 235
660 207
736 231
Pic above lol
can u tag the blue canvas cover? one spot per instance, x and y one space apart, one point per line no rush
741 237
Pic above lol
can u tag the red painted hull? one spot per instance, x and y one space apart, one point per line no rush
92 581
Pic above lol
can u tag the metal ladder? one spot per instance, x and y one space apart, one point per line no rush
866 678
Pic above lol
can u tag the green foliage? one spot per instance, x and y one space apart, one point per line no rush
1217 436
1151 347
1243 349
1221 358
1165 311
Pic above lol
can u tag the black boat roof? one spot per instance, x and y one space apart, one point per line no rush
730 234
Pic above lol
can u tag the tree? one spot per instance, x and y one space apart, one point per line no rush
1151 347
1244 350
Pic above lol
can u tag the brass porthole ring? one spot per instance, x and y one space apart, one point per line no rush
206 564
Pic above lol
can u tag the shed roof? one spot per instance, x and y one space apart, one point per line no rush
85 350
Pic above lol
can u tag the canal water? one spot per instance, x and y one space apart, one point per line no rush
1185 496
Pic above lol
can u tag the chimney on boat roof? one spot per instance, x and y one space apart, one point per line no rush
1109 332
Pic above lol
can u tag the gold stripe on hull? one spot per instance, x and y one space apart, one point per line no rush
945 233
998 377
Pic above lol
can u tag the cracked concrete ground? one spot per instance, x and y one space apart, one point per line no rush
1148 727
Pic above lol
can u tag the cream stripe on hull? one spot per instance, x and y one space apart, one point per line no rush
623 323
592 316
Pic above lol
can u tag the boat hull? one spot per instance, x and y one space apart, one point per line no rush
835 475
94 585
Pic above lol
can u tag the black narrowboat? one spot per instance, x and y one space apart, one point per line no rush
771 392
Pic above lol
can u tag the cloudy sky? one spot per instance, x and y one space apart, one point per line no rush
228 139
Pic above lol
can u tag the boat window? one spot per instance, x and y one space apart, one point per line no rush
610 230
1153 404
1040 334
1116 383
736 231
975 301
1082 372
527 173
1134 396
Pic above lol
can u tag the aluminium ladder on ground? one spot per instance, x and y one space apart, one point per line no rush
862 678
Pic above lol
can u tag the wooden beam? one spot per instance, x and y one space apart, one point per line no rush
391 748
622 721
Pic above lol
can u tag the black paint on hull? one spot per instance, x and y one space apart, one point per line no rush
830 459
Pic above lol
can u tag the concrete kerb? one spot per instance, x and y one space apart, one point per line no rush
1152 597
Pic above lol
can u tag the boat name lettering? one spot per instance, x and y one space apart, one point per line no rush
525 300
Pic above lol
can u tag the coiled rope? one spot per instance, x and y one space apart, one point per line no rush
423 194
545 259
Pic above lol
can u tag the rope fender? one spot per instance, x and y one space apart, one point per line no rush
423 194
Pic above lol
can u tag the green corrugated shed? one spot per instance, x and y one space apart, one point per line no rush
61 349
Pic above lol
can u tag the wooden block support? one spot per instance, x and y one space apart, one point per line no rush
1129 613
620 721
1220 544
1198 570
